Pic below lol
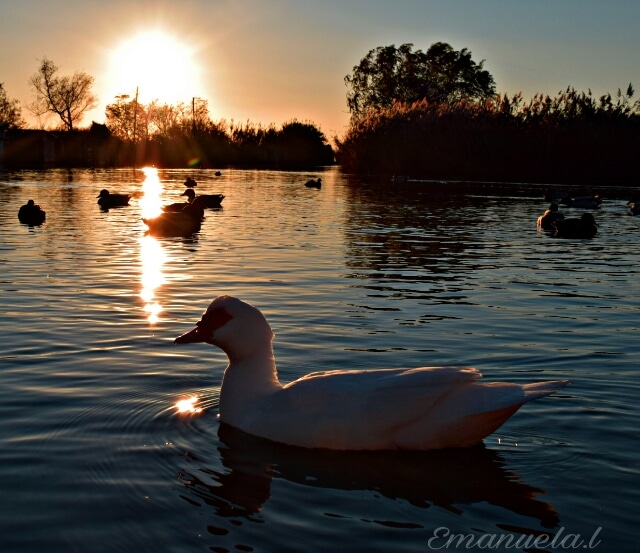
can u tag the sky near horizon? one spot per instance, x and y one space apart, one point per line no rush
272 61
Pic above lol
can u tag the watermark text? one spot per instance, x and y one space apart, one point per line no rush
443 539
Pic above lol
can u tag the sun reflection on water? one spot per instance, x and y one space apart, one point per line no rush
188 405
150 202
152 256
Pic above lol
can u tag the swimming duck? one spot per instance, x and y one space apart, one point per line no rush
546 220
586 202
314 183
175 207
107 200
555 196
634 207
179 206
190 183
31 214
207 200
385 409
177 223
584 227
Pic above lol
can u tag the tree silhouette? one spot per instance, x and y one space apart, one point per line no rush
10 112
123 115
68 97
441 75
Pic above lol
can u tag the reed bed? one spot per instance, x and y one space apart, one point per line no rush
573 137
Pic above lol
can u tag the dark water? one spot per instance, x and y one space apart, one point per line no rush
95 456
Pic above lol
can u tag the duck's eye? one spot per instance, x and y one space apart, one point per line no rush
214 319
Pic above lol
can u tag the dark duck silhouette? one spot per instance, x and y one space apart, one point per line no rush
555 196
205 201
179 206
31 214
314 183
634 207
550 216
585 202
177 223
584 227
175 207
190 183
107 200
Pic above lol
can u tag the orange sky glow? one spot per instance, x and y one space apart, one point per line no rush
272 62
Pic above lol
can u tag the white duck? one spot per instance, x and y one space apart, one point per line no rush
383 409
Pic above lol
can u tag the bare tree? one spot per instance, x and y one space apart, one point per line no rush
10 112
68 97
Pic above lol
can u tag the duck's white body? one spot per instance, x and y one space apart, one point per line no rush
409 409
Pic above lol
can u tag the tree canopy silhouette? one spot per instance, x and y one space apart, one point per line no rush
10 112
441 75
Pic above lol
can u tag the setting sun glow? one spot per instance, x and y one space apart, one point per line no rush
158 65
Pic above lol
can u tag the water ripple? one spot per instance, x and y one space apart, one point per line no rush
96 456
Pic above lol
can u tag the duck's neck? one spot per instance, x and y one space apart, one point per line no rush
247 380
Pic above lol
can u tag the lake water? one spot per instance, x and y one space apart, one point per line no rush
96 457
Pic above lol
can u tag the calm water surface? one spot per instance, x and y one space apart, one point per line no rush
96 457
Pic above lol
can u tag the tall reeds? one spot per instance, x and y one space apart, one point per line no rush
568 138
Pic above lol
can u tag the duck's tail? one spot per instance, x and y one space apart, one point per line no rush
541 389
477 426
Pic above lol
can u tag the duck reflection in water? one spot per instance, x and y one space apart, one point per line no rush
448 478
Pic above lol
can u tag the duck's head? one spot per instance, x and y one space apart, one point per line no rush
104 192
231 324
189 193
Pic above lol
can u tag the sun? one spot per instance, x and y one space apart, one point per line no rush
157 65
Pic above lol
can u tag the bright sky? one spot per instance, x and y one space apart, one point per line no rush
271 61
